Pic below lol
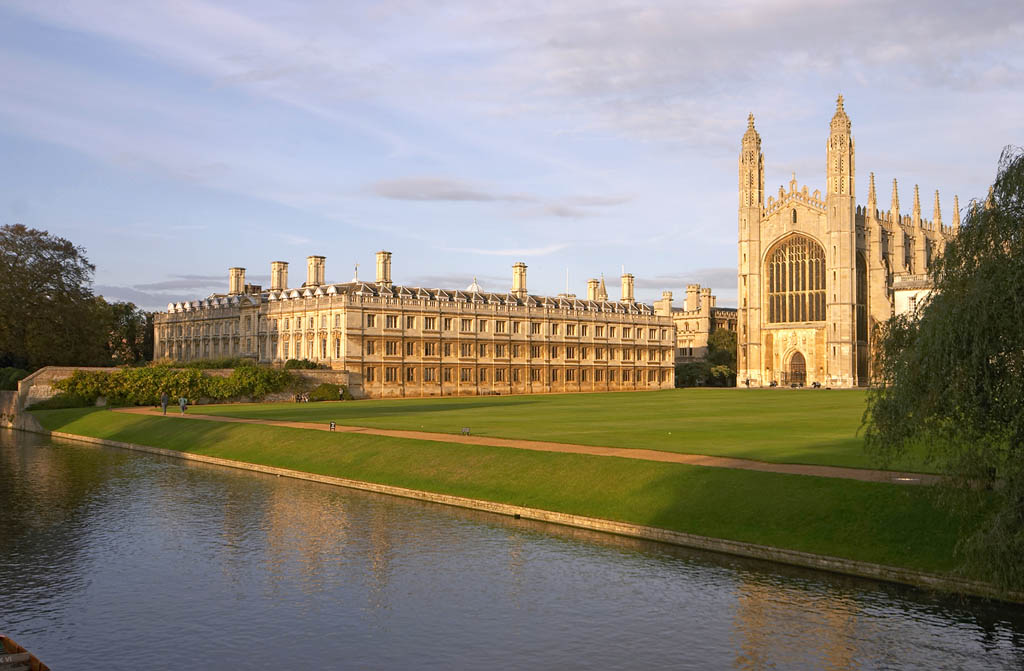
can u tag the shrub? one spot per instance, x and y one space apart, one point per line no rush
325 392
301 364
9 377
61 401
227 362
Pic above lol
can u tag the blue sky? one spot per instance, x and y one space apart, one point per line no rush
176 139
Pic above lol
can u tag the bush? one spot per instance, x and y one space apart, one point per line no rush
325 392
227 362
61 401
9 378
143 386
301 364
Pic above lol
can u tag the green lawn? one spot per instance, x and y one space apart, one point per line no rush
804 427
876 522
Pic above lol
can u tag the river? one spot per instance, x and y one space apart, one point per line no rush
118 560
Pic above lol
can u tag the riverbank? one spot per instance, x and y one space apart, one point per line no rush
876 530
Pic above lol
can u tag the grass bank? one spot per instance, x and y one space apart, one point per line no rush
785 426
874 522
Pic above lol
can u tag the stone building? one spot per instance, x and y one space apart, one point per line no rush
696 320
410 341
817 271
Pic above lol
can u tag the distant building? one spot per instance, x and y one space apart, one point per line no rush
817 271
412 341
695 321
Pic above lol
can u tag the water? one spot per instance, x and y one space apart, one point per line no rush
117 560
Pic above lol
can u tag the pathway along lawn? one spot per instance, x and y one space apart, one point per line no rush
875 522
811 426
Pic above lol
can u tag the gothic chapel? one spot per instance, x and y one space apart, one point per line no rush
817 271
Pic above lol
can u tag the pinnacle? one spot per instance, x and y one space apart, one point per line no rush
750 121
839 103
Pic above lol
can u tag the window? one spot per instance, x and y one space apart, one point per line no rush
625 376
391 373
447 374
583 330
570 375
248 323
286 326
465 375
465 349
337 348
482 326
534 328
570 329
516 326
430 349
651 375
663 334
430 375
275 324
796 281
652 334
370 373
517 351
312 324
534 375
554 329
410 322
584 352
499 374
447 323
554 375
499 350
500 326
599 331
611 331
410 348
371 321
370 347
284 350
598 375
391 321
626 354
482 375
323 348
583 375
337 321
466 325
323 321
570 352
554 352
483 349
627 332
391 347
447 348
430 323
535 351
410 374
515 375
298 350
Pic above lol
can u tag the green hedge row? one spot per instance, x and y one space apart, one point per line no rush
143 386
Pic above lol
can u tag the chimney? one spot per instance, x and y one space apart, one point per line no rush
315 270
236 281
627 288
691 297
592 289
278 275
384 268
519 280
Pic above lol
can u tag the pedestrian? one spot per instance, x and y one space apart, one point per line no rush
182 402
164 400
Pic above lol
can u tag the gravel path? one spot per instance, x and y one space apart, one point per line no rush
864 474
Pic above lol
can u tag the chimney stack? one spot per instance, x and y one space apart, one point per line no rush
592 289
519 280
278 275
627 288
236 281
315 270
384 268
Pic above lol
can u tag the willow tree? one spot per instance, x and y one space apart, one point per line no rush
949 379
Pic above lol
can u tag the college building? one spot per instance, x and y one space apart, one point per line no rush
817 271
398 340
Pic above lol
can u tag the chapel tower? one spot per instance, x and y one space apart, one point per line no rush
751 192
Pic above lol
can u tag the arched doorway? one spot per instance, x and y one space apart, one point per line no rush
797 369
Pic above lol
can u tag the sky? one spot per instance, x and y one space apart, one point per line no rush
173 140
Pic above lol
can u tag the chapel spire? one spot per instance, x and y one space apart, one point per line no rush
937 214
956 212
895 207
872 197
917 207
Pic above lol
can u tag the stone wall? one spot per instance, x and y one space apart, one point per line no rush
39 385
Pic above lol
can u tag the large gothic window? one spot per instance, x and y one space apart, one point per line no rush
796 281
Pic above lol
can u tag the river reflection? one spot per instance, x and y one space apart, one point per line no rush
117 560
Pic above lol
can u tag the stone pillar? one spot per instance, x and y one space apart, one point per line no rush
592 285
315 266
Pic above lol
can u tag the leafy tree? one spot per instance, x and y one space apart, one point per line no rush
722 352
131 334
48 314
949 379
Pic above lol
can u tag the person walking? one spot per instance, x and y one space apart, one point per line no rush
182 402
164 400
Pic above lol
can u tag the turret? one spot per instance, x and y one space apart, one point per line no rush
278 275
384 268
236 281
840 282
664 306
519 280
692 291
751 196
705 300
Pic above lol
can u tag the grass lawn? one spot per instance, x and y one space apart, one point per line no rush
790 426
876 522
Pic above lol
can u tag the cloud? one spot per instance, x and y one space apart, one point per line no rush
522 252
461 281
184 282
438 188
716 278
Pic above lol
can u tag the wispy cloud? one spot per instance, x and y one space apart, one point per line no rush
522 252
438 188
461 281
716 278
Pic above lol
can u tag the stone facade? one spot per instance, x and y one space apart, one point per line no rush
410 341
817 271
695 321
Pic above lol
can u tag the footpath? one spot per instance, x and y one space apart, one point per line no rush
863 474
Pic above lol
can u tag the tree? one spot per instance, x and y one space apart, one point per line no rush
48 314
949 379
131 334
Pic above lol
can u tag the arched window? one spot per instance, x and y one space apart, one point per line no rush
795 271
794 215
